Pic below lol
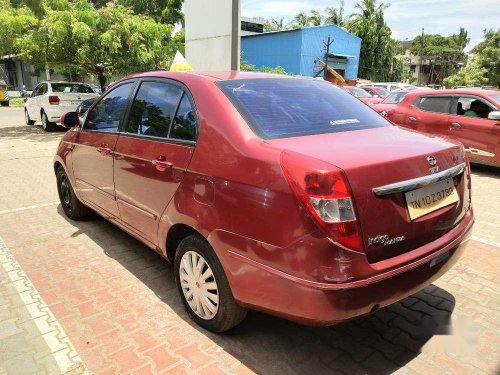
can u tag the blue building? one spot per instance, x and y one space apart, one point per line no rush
297 50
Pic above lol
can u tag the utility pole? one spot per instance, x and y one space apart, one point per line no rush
421 68
327 45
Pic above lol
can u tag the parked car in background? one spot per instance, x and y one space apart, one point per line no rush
275 193
390 86
83 107
362 95
390 102
50 100
469 116
4 95
378 92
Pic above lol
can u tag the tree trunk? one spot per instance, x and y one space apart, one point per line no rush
102 80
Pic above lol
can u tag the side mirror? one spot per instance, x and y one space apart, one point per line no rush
70 120
494 115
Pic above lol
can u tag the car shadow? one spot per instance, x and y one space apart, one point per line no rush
382 342
485 170
32 133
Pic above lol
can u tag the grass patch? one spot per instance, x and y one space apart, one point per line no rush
16 102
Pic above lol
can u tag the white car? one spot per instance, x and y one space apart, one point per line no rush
391 86
50 100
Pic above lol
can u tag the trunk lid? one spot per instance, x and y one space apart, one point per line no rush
73 98
376 157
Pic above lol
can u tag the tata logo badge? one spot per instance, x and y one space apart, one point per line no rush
433 164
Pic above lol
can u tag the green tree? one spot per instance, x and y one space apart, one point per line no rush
301 20
75 38
488 52
441 53
315 18
335 16
378 61
472 74
274 24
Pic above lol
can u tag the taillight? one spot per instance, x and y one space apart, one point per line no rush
324 191
54 100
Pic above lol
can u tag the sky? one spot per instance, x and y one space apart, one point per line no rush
406 18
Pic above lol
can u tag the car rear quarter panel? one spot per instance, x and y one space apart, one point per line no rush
234 182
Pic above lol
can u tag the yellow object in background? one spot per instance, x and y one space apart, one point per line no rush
180 64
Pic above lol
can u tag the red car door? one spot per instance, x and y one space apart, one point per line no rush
153 153
92 155
430 114
479 135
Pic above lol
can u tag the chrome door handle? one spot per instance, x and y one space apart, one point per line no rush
161 164
411 118
456 125
104 149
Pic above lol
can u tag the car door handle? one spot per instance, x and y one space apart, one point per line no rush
104 149
456 125
161 164
412 118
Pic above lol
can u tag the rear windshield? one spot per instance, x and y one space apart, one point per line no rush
279 108
358 93
394 98
72 87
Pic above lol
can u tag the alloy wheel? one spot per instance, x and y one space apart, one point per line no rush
199 285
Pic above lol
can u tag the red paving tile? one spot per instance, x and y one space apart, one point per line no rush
127 359
161 357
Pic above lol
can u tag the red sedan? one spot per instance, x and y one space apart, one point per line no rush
378 92
389 103
362 95
280 194
471 117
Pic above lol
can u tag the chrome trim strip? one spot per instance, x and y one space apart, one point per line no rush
419 182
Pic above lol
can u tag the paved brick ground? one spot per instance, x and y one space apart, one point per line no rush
117 303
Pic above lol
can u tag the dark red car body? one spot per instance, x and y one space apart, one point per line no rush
445 118
231 186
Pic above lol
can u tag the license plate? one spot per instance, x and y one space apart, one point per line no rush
430 198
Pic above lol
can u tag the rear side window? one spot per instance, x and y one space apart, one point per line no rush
287 107
184 124
153 109
439 104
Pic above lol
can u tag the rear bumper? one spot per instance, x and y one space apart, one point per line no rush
55 112
264 288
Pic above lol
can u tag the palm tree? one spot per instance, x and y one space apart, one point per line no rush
315 18
378 49
335 16
301 20
274 24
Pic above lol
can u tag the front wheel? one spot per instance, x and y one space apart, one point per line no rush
72 207
46 124
203 286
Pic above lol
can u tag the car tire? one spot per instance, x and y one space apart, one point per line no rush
46 124
5 104
27 118
226 313
71 205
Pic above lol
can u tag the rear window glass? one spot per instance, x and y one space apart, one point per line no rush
72 87
282 107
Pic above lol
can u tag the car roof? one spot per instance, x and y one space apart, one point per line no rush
213 76
70 82
456 92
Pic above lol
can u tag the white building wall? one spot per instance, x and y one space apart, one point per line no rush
212 34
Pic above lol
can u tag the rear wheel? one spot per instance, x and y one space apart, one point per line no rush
5 104
203 286
46 124
27 117
72 207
